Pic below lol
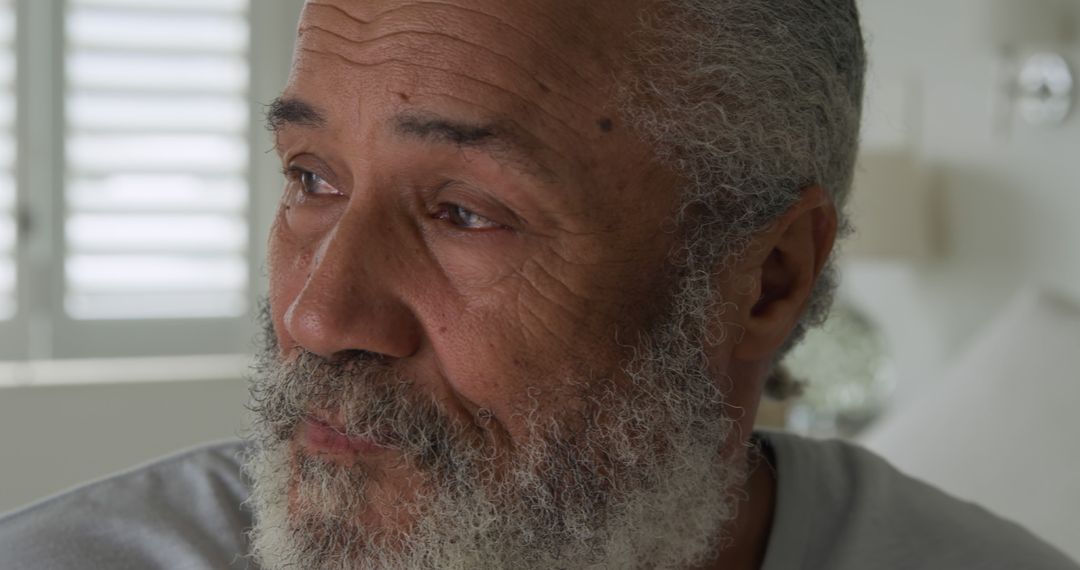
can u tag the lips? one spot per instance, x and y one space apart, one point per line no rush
323 437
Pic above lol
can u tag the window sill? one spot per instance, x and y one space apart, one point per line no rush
81 372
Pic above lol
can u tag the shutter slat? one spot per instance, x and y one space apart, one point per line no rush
155 273
7 153
157 157
144 32
162 73
155 232
7 191
7 236
160 152
7 111
209 6
159 192
7 68
97 112
7 287
7 24
162 305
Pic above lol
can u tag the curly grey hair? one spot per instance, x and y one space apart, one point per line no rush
749 101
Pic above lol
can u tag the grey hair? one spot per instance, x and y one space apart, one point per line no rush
749 102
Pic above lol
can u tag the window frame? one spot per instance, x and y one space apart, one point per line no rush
41 329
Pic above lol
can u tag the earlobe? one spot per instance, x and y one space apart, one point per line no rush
797 247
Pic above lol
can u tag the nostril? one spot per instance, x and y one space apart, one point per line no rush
331 323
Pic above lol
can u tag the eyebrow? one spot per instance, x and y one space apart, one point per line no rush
286 111
498 139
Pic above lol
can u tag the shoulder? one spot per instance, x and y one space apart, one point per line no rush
186 507
861 512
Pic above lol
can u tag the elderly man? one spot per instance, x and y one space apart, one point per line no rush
534 264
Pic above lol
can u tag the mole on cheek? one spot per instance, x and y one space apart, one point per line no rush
605 124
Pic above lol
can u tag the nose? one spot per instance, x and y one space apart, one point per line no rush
349 301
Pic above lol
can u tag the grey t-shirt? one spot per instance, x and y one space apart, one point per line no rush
839 507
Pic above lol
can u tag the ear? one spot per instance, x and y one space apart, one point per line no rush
783 262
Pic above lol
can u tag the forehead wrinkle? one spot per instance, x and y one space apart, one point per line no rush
359 46
349 15
549 50
361 43
408 64
517 31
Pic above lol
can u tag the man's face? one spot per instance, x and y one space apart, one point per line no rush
470 254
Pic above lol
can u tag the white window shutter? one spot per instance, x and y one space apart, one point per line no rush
8 231
156 174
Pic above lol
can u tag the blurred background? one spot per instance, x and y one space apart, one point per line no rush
137 183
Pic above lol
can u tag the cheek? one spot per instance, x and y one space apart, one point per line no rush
482 369
543 338
309 218
494 362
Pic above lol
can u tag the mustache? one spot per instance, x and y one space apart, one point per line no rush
358 391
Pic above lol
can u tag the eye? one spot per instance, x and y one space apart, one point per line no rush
465 219
310 183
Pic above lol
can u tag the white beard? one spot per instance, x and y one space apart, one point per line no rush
650 488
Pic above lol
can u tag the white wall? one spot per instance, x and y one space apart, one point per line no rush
1009 203
54 437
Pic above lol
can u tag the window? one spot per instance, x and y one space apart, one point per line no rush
128 221
157 155
7 161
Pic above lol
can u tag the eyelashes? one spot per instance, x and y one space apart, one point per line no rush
463 218
460 217
309 182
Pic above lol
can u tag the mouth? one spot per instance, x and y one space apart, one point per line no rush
326 438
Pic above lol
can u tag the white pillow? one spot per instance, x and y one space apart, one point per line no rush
1002 428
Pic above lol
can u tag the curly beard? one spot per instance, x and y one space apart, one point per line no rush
641 474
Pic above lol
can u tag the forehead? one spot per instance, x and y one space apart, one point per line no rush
547 67
558 36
